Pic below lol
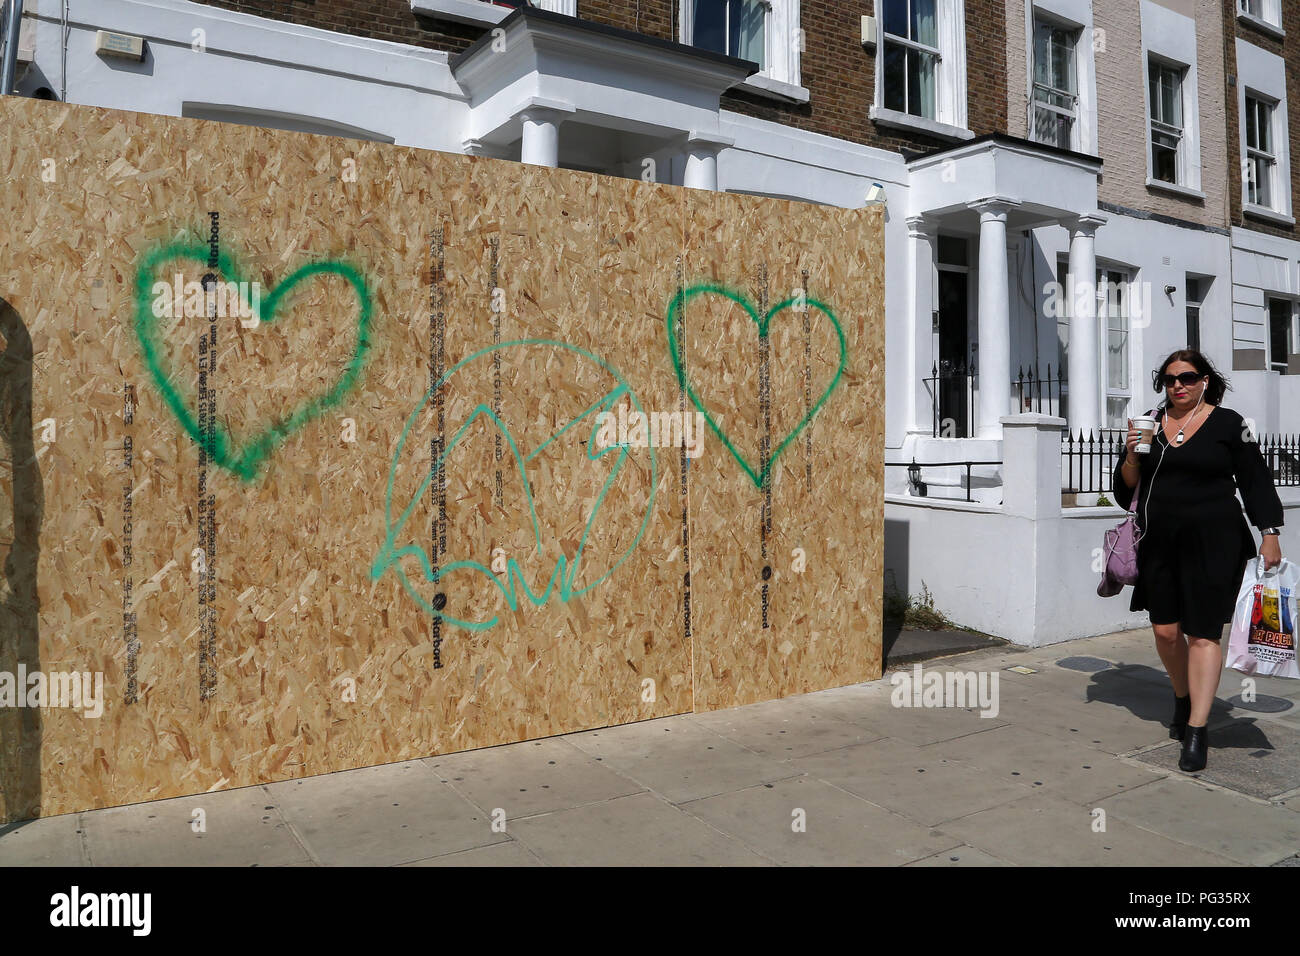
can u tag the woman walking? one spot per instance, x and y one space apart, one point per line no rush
1195 543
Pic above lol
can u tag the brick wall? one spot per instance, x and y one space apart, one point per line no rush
1289 50
837 71
1122 120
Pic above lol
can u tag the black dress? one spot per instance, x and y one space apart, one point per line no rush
1195 543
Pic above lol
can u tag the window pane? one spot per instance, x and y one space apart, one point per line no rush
920 84
1171 100
711 25
1116 412
1052 128
1063 60
924 29
1153 90
1252 128
895 18
1042 55
1279 332
1164 159
1264 127
748 22
1193 325
895 77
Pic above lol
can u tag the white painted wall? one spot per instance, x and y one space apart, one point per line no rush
392 90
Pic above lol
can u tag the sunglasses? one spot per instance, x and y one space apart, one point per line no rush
1186 378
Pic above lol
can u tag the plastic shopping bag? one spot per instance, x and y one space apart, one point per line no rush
1263 638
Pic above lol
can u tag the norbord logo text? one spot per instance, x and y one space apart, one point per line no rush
102 909
56 689
946 689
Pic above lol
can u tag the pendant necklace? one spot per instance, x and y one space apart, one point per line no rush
1178 439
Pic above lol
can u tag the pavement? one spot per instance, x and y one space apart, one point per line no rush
1076 767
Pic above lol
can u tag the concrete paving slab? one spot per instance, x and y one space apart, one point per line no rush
1044 830
532 777
1254 757
839 829
917 725
1016 754
1108 726
783 729
242 828
678 759
916 782
1221 822
960 856
51 841
380 816
511 853
639 830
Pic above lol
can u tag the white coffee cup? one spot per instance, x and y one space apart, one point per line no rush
1146 426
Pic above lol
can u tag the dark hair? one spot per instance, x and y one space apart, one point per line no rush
1213 390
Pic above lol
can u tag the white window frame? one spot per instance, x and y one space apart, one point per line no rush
1114 392
483 13
1169 41
1034 105
950 120
1262 75
1163 126
1265 155
1263 15
1070 15
783 43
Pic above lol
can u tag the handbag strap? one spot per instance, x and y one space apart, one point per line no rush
1132 505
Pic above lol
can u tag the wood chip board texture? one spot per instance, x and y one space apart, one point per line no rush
421 529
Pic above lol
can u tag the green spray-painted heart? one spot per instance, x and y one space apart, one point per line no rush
678 306
246 461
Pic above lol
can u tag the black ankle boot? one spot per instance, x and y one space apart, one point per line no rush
1182 711
1195 748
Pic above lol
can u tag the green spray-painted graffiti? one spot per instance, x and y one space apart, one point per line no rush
245 461
677 307
566 572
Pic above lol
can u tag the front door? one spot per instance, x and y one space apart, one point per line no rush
954 355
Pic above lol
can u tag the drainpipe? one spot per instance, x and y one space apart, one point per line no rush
9 66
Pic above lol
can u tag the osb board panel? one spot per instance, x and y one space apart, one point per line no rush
434 553
785 553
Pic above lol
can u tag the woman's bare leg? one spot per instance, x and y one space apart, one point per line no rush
1204 668
1172 649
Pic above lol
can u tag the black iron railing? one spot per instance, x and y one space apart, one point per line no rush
1282 454
952 398
915 479
952 386
1088 460
1036 392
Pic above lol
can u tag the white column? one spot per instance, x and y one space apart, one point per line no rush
702 159
994 319
920 315
1081 302
541 144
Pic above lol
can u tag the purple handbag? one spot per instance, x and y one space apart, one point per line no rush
1120 549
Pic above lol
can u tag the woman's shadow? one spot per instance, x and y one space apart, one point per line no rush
22 505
